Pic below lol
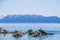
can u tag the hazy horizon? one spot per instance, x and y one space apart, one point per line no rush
31 7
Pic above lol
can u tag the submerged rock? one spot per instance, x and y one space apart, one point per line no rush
17 34
3 32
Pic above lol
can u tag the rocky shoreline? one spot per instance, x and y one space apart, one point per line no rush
30 32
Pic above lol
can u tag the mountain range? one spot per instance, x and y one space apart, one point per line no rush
29 19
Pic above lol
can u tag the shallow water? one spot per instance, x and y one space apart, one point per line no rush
49 27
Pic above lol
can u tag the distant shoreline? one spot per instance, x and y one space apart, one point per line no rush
29 19
48 23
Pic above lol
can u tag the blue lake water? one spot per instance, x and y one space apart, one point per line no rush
23 27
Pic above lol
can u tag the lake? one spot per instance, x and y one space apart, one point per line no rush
48 27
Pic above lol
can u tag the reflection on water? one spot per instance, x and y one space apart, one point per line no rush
27 37
10 37
25 27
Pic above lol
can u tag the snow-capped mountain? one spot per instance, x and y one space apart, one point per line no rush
29 19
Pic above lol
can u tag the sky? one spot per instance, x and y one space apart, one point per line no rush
23 7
